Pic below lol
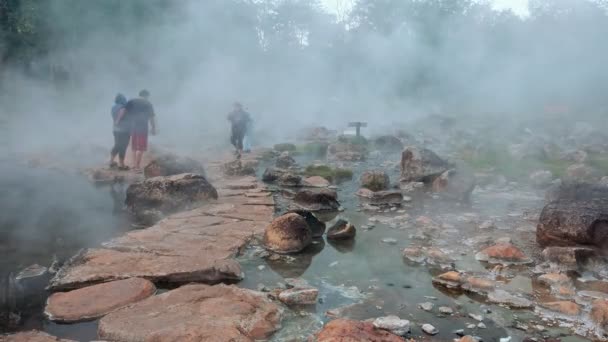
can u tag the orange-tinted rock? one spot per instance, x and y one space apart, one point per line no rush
565 307
317 182
343 330
341 230
192 246
467 338
479 284
599 312
97 300
195 313
32 336
450 280
502 252
551 279
287 234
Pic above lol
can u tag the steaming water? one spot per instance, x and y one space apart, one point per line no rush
46 215
368 274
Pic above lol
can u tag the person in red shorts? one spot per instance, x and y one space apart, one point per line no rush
142 115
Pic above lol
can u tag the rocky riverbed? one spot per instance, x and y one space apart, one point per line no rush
417 245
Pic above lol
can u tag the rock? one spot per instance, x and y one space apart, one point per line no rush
414 254
581 172
341 230
476 317
193 246
287 234
568 256
503 252
159 196
604 181
98 300
285 161
316 182
348 151
387 197
426 306
289 179
599 313
429 329
32 336
451 279
195 313
376 180
273 174
445 310
565 307
344 330
457 184
570 222
299 296
390 241
475 284
554 279
388 143
393 324
468 338
317 227
505 298
541 179
32 280
317 200
578 156
238 168
169 164
421 165
489 224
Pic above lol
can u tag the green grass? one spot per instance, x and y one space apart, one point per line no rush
285 147
333 175
315 149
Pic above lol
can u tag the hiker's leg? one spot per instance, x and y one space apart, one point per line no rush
122 150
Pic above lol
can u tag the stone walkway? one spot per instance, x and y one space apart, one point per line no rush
194 246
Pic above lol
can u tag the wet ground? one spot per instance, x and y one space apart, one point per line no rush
366 278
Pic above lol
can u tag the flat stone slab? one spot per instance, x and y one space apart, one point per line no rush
195 313
32 336
193 246
98 300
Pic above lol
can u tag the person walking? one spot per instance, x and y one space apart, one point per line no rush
239 120
142 113
121 131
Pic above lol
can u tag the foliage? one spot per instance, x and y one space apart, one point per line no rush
336 175
285 147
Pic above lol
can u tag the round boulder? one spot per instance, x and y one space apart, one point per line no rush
287 234
317 200
316 227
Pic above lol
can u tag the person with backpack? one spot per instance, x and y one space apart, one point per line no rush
239 120
122 132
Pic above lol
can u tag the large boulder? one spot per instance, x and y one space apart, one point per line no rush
316 227
169 164
317 200
567 222
151 199
421 165
457 184
376 180
195 313
344 330
287 234
285 161
98 300
272 174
